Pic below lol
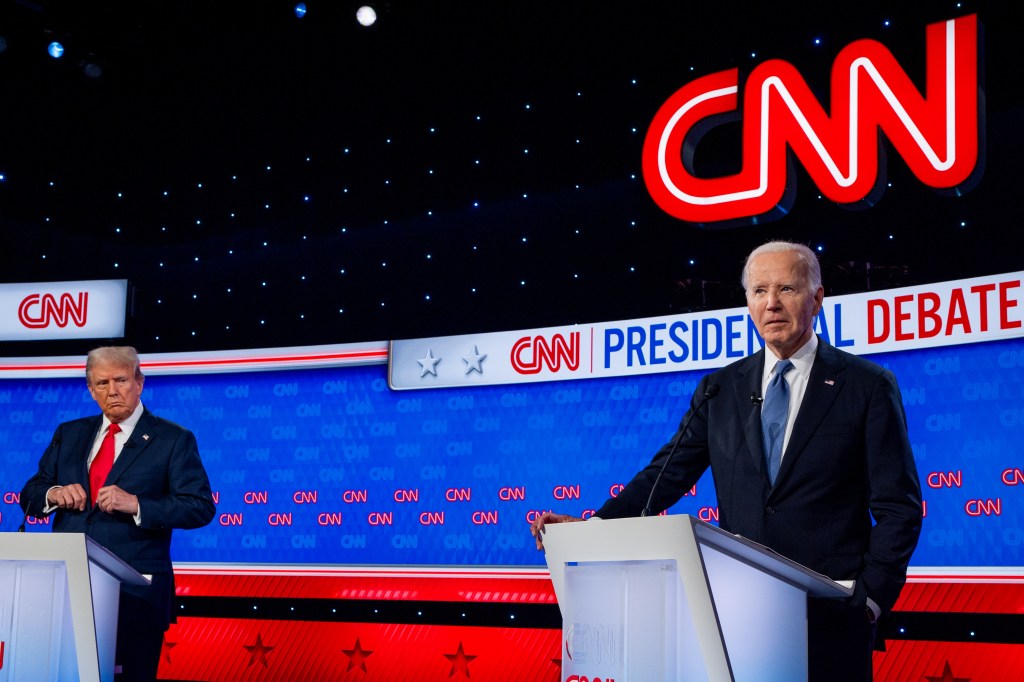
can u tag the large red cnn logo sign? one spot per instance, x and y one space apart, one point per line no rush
936 134
38 311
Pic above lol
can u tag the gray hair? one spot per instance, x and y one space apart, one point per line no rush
121 356
812 270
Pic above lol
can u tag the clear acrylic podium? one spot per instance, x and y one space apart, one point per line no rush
674 598
58 607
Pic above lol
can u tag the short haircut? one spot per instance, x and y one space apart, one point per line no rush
122 356
812 270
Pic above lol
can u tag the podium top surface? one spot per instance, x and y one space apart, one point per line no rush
65 547
665 537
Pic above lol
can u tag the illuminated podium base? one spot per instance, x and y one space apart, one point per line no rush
59 594
674 598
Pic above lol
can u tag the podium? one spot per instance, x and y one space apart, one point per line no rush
59 594
675 598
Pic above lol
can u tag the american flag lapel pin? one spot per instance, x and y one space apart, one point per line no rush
830 382
145 436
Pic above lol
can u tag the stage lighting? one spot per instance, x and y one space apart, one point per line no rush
55 50
300 10
366 15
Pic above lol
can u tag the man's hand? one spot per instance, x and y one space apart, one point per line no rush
537 527
68 497
111 499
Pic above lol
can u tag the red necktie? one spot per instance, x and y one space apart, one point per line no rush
103 462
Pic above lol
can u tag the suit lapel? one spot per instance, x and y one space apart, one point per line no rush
133 447
84 440
748 385
823 386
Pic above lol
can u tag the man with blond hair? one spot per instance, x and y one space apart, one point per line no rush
126 478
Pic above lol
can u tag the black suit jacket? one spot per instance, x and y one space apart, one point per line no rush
160 464
846 502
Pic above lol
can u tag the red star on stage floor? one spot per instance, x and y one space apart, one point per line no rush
258 652
460 661
165 649
356 657
947 676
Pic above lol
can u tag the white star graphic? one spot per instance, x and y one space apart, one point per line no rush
473 361
429 364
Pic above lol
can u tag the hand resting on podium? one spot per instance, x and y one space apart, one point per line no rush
537 527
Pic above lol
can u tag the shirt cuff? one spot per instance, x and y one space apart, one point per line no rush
47 507
875 610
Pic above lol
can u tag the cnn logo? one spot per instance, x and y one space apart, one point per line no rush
38 311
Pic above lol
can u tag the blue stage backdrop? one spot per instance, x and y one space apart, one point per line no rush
330 466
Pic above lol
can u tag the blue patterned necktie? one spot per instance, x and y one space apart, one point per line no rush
774 413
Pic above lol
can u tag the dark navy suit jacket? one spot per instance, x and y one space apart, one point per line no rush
160 464
846 502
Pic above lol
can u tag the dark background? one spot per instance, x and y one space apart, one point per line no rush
265 180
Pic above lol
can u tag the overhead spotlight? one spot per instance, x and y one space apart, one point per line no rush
55 50
92 70
366 15
300 10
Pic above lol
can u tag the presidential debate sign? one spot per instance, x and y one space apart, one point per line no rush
314 460
936 132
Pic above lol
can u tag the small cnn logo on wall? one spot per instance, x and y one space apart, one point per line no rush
936 132
38 311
